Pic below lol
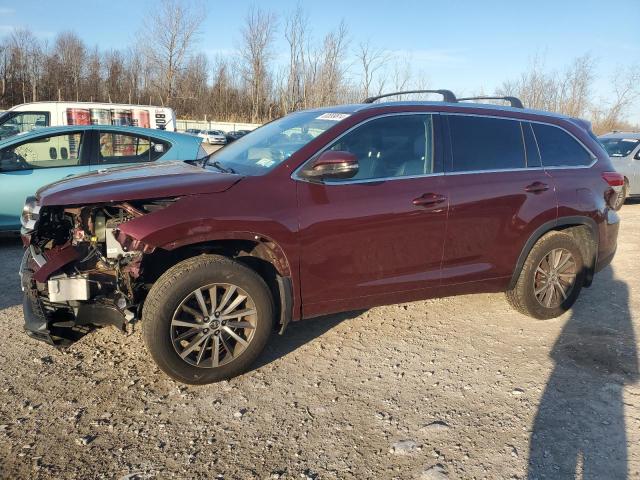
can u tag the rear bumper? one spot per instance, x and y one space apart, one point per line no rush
608 243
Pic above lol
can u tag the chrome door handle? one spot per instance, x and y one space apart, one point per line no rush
536 187
429 199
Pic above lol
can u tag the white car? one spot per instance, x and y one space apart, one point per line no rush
624 151
213 137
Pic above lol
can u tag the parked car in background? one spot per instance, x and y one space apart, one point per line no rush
29 116
624 151
233 135
193 131
32 160
213 137
318 212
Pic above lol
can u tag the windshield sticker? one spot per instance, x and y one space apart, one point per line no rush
336 117
265 162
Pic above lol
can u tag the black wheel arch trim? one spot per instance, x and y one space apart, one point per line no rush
548 227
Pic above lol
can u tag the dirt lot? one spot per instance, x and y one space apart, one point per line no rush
452 388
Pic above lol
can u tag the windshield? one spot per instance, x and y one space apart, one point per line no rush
263 149
619 147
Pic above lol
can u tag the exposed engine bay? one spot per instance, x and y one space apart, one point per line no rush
80 271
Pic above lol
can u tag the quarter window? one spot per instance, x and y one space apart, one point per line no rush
482 143
394 146
124 148
558 148
48 152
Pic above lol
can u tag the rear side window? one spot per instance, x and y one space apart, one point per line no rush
116 148
481 143
558 148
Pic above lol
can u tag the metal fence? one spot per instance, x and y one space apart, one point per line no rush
183 125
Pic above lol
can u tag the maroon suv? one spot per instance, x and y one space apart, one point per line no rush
318 212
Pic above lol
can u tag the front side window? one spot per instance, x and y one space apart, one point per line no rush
483 143
558 148
125 148
619 147
22 122
49 152
393 146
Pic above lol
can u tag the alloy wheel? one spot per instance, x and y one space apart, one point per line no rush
213 325
554 278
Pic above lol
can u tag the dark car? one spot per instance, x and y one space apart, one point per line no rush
235 135
322 211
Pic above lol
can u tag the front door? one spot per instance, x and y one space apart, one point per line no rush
377 237
28 165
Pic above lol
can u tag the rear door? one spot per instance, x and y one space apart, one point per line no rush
28 165
498 195
568 162
118 149
376 238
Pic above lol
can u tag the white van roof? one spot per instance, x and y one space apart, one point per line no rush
97 104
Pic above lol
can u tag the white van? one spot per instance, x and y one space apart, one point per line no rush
26 117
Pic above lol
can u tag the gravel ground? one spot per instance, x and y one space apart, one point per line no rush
452 388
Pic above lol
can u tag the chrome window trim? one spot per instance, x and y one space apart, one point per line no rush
496 170
594 158
295 176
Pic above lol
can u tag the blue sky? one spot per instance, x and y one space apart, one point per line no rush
462 45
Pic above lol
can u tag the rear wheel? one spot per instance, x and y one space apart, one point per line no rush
207 319
551 277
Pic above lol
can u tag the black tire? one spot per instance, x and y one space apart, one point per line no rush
169 292
622 196
523 298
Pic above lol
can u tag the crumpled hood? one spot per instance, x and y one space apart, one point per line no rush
160 180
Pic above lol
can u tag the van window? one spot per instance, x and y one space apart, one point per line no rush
558 148
126 148
20 122
394 146
482 143
49 152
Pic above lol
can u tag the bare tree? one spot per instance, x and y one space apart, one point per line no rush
258 35
70 53
168 36
296 31
372 62
611 116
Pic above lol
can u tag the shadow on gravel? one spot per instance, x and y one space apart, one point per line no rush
299 333
579 429
10 257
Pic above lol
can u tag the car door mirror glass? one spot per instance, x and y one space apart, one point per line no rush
332 165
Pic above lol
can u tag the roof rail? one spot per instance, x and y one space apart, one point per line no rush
447 95
514 101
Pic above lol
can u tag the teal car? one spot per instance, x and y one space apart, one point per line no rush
45 155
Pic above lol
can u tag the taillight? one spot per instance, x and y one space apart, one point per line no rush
614 179
616 182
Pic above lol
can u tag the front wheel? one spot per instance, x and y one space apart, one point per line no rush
551 278
207 319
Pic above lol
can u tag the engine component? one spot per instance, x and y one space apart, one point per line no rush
63 288
114 249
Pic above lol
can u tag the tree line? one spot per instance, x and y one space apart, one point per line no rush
162 68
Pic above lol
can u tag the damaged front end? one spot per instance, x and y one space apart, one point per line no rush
79 271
